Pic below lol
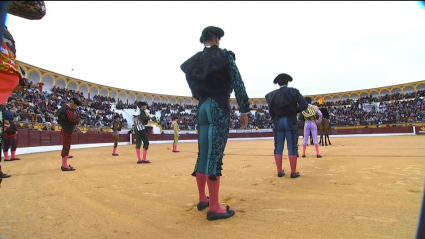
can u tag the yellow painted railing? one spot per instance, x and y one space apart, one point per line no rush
383 126
40 126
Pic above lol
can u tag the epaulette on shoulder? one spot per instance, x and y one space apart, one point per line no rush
231 53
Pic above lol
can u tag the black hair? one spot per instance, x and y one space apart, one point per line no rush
209 36
282 79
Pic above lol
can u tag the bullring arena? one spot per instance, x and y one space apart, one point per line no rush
369 183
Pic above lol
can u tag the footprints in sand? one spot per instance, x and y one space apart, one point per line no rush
279 210
272 182
240 211
191 206
399 183
335 182
356 187
340 169
247 166
229 200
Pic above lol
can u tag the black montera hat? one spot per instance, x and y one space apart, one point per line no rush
282 78
31 10
75 101
214 30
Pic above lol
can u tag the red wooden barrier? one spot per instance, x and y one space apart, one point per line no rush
75 138
22 138
107 138
99 138
91 138
36 138
55 138
45 138
124 137
82 139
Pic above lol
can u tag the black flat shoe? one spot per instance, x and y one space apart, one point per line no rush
67 169
115 154
15 159
281 174
295 175
8 160
303 156
176 151
202 205
3 175
70 157
319 156
216 216
143 161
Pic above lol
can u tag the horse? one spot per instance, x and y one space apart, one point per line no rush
324 128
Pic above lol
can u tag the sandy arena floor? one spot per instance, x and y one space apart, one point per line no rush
367 187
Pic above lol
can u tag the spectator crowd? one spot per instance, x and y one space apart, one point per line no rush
36 106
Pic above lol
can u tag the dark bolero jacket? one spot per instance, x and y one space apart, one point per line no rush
285 102
213 73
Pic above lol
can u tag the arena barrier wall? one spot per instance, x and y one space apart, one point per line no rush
34 141
245 134
37 138
420 130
